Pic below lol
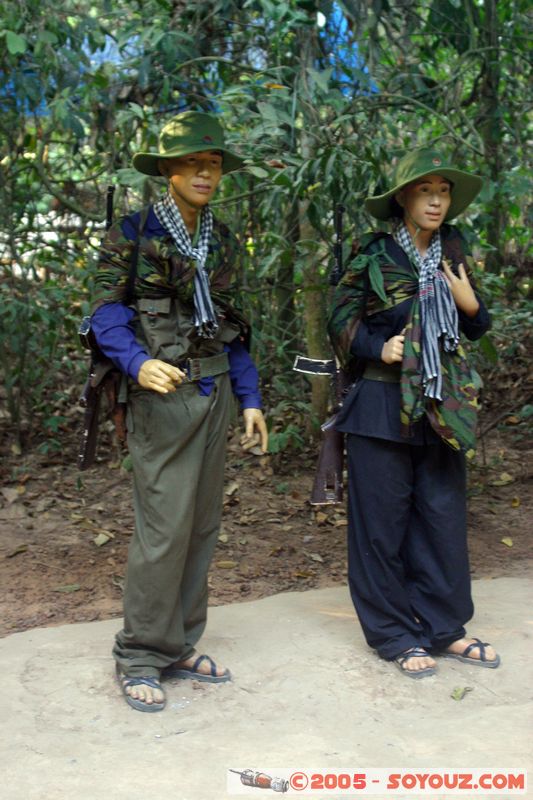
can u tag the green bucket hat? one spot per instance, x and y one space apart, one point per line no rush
415 165
189 132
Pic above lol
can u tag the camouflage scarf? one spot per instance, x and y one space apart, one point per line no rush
374 282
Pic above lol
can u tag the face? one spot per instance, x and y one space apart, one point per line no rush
425 202
193 178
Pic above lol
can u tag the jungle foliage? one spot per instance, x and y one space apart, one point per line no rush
320 96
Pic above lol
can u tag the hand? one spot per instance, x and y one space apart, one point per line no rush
255 429
159 376
392 351
462 292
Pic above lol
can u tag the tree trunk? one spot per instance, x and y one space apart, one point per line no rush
284 291
315 294
490 129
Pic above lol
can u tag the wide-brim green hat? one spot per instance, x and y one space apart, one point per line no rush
412 167
189 132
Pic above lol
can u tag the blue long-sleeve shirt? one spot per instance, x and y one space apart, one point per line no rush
112 326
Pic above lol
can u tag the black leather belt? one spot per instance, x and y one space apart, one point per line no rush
388 373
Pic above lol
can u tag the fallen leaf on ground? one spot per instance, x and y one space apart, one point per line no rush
315 557
515 502
12 494
231 488
223 537
103 537
68 588
226 564
320 517
507 541
503 480
21 549
460 691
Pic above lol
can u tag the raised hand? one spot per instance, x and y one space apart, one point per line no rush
461 289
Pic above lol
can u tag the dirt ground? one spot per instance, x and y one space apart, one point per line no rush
64 534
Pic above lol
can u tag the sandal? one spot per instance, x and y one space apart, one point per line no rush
134 702
482 661
414 652
174 671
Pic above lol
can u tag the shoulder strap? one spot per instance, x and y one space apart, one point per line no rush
132 274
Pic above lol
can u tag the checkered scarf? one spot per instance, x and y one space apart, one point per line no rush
168 213
438 312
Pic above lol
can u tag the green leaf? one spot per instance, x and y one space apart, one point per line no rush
48 37
137 110
526 411
460 691
259 172
268 112
15 44
320 78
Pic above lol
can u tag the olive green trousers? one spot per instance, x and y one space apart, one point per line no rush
177 444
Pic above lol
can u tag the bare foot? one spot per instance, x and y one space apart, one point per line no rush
419 662
204 666
142 692
459 647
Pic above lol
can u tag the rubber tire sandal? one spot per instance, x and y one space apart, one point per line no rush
482 661
414 652
192 672
140 705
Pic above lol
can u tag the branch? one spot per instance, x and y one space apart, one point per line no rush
63 199
257 190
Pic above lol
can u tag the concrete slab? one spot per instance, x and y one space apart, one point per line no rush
308 693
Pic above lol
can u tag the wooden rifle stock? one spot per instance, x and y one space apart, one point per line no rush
329 483
103 377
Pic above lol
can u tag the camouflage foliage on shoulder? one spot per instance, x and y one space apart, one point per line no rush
375 281
161 269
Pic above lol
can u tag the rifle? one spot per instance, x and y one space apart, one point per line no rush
328 484
103 377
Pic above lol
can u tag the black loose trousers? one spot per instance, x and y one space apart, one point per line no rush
408 565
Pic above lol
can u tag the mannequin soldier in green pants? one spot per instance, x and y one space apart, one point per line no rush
180 342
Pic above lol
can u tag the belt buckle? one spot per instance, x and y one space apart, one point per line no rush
194 369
